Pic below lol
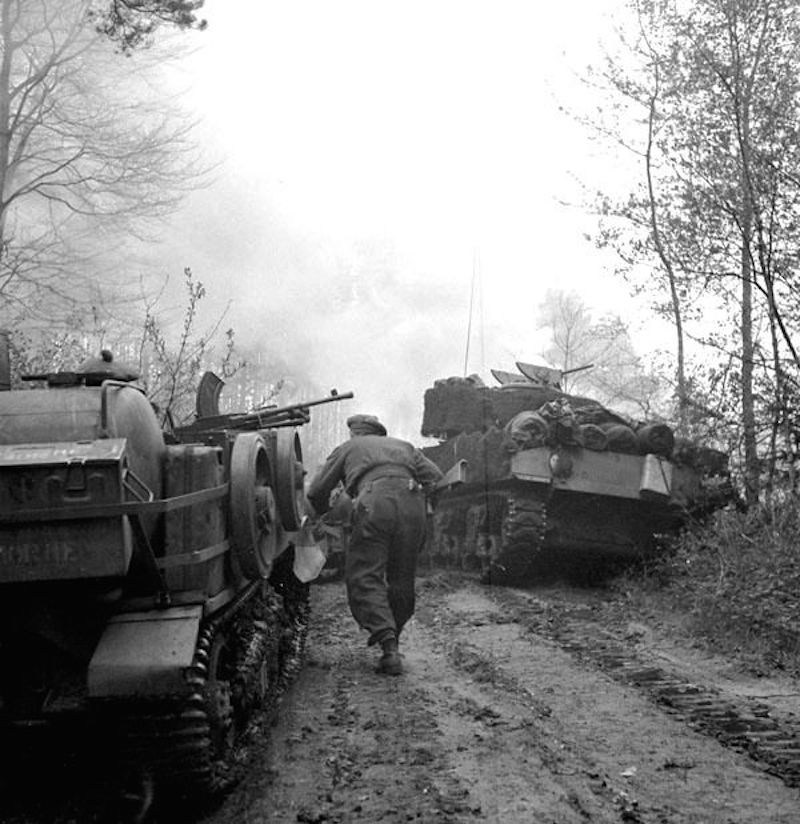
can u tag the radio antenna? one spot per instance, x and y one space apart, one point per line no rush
475 295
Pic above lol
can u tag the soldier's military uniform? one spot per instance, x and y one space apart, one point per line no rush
387 478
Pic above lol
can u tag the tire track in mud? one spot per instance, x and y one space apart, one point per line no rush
517 706
742 724
600 735
431 746
496 720
516 770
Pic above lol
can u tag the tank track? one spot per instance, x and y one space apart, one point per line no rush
499 534
194 746
523 529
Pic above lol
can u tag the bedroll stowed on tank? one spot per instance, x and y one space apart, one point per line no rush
147 577
536 477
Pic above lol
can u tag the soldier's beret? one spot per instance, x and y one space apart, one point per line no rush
365 425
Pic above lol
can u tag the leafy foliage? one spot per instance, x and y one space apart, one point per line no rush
132 23
59 351
705 95
737 578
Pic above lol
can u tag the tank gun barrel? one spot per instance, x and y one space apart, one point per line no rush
577 369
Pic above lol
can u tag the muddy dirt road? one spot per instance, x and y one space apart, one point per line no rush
522 706
547 705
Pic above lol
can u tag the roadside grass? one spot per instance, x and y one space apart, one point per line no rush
736 582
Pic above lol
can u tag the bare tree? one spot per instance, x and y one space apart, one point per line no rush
171 362
568 320
90 152
618 376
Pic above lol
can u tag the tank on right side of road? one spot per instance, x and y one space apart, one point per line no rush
536 477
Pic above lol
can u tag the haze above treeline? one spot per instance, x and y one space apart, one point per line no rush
384 171
372 198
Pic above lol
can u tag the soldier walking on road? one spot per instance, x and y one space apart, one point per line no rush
388 479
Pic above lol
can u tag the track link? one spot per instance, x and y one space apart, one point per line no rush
523 530
194 746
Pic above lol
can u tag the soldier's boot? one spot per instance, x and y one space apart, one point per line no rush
390 662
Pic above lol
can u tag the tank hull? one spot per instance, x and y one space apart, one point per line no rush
509 514
511 530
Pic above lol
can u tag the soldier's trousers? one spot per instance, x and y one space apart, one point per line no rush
381 561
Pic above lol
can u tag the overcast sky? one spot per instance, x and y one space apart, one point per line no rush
409 148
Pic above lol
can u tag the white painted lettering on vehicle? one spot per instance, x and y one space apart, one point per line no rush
31 554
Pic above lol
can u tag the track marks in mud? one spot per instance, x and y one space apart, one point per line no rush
493 726
386 755
650 766
739 722
493 722
351 745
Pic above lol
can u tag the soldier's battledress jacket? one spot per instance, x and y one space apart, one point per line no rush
386 477
365 457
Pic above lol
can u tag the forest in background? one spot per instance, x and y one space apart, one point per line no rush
698 101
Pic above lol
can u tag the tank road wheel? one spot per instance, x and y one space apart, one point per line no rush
253 512
288 480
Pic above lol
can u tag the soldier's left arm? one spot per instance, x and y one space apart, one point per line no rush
425 471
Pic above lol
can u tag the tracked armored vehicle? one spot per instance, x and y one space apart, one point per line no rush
147 577
536 479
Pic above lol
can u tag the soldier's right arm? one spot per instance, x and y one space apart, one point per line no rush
324 482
